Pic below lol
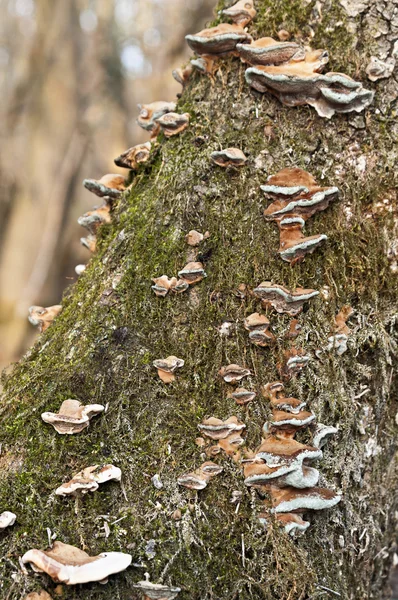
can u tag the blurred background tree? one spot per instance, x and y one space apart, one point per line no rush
71 76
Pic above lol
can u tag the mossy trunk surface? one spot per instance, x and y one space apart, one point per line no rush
101 348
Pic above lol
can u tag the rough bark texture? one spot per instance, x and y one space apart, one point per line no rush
101 348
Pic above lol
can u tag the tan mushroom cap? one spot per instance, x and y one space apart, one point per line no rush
294 246
256 321
294 329
282 299
73 416
182 74
233 373
243 396
167 366
173 123
156 591
43 317
88 480
341 320
211 469
261 337
267 51
111 185
163 285
276 450
290 499
241 13
193 272
149 113
293 523
194 238
89 242
279 401
70 565
7 519
229 157
131 158
216 429
42 595
217 41
93 219
196 480
291 421
179 286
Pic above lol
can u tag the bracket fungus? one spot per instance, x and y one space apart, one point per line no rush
233 373
301 82
163 285
94 218
194 238
229 157
241 13
131 158
267 51
197 480
89 242
242 396
7 519
149 113
257 325
215 42
296 197
322 434
43 317
216 429
294 361
112 185
156 591
89 480
193 272
282 299
72 417
70 565
182 74
167 366
338 340
173 123
290 499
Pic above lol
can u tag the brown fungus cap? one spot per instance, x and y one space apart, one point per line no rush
229 157
233 373
282 299
89 242
276 450
292 523
167 366
294 361
290 499
73 416
290 421
218 41
89 480
267 51
182 74
162 285
216 429
193 272
194 238
131 158
111 185
279 402
241 13
256 321
70 565
341 319
173 123
93 219
243 396
197 480
179 286
294 330
156 591
43 317
149 113
294 246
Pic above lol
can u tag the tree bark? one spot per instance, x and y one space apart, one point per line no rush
101 348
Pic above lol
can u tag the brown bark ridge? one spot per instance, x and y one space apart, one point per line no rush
101 348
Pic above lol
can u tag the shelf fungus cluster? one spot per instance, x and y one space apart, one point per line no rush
257 325
338 340
131 158
226 433
296 197
43 317
156 591
229 157
198 479
72 566
282 299
89 480
167 366
279 467
160 117
192 273
72 417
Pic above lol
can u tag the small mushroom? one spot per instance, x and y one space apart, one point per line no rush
163 285
79 269
167 366
282 299
94 218
173 123
197 480
267 51
294 362
112 185
89 242
182 74
233 373
279 402
43 317
229 157
134 156
216 429
89 480
290 422
194 238
294 330
72 417
293 523
211 469
180 286
192 273
257 325
322 435
149 113
243 396
7 519
70 565
156 591
276 450
241 13
338 341
341 320
218 41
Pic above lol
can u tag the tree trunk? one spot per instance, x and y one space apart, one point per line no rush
101 348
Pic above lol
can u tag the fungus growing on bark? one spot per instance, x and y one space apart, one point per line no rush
89 242
241 13
293 523
274 391
149 113
229 157
192 273
70 565
194 238
281 299
7 519
257 325
134 156
296 197
111 185
294 361
294 330
156 591
322 435
297 83
180 286
94 218
167 366
267 51
42 595
233 373
218 41
243 396
197 480
182 74
341 331
216 429
43 317
173 123
290 499
72 417
89 480
163 285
